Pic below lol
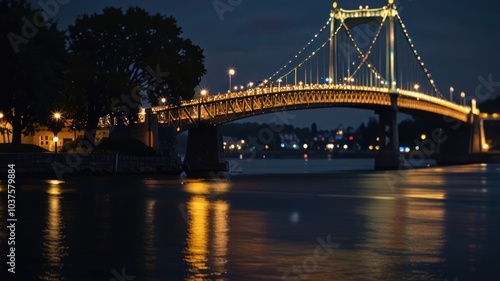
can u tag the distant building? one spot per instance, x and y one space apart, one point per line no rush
44 137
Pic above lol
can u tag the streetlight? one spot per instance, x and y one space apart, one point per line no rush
451 93
57 116
163 100
416 87
1 123
279 85
231 73
203 93
462 98
250 85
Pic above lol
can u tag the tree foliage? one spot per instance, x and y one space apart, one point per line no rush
119 58
32 55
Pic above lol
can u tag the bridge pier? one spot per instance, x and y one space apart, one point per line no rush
205 151
460 142
388 157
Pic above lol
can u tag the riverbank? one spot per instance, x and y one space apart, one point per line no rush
49 165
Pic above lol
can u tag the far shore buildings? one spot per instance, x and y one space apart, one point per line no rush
45 138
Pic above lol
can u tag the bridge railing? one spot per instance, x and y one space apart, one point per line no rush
288 88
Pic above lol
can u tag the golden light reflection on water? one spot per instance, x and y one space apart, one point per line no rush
411 223
207 225
150 235
53 248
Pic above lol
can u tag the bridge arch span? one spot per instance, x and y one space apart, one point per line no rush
220 109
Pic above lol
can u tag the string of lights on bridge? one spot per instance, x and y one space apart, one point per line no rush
301 51
422 64
365 56
306 59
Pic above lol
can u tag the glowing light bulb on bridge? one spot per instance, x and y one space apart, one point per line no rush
231 73
203 92
416 87
163 100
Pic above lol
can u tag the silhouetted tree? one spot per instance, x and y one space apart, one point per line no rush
314 130
117 58
32 55
367 134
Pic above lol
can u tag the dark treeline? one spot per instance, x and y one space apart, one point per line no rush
106 63
360 138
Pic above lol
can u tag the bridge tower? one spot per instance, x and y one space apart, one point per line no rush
389 156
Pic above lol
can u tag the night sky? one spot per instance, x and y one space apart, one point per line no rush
458 40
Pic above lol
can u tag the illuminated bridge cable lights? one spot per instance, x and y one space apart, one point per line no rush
302 50
419 59
365 56
305 60
315 52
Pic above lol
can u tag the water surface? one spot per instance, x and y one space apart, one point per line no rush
269 220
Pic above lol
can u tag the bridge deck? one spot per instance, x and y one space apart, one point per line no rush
228 107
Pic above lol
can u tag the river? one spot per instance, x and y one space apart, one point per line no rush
301 219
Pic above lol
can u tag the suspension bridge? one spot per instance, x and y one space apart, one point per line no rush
362 58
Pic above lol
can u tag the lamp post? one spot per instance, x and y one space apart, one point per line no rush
279 85
203 94
451 93
231 73
57 116
462 98
1 128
